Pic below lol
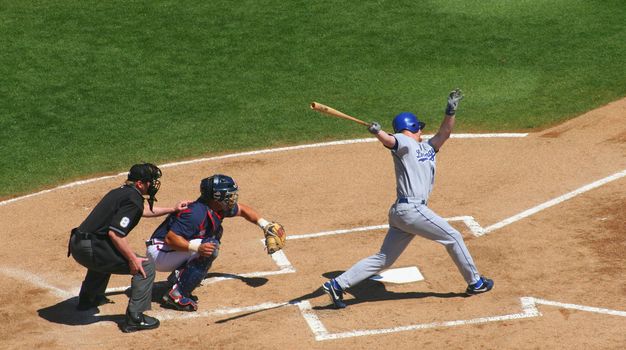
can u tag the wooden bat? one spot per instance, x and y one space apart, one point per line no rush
335 113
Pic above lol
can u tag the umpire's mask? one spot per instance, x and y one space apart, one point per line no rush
147 173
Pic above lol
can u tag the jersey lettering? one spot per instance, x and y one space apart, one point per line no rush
425 155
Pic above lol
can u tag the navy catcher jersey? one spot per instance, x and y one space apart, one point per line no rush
197 221
119 210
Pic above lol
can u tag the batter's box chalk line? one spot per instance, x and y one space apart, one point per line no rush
529 310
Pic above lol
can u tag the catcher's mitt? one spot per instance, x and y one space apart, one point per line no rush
275 237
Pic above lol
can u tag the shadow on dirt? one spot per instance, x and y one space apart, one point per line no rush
65 313
366 291
369 291
249 281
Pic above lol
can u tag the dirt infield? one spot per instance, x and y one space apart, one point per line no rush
549 226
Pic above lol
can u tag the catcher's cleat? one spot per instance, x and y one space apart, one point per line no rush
137 321
483 285
335 293
86 304
179 302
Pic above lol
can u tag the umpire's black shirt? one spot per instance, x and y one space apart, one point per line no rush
119 211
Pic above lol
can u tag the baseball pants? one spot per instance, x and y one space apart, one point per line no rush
406 220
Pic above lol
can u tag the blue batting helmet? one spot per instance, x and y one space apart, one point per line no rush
407 121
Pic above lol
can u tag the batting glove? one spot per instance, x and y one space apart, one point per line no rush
374 128
455 96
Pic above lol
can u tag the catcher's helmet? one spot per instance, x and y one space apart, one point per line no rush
407 121
220 188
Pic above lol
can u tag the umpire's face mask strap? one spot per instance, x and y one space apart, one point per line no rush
152 191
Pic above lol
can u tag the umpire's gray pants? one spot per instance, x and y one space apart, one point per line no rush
405 221
102 259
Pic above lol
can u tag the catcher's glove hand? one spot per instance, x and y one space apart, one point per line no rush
275 237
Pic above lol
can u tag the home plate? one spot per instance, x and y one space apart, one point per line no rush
399 275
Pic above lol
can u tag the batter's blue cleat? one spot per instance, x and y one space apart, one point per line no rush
483 285
335 293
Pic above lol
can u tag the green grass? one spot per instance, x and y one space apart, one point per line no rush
94 86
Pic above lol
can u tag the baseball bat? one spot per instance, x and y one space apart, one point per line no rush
335 113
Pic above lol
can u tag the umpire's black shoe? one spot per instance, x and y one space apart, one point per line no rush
137 321
86 304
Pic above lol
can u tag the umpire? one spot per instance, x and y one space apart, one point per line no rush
100 245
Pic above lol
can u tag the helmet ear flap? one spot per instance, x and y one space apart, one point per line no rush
206 189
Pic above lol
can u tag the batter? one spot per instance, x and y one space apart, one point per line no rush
409 216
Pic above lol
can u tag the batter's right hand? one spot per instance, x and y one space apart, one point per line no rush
206 249
374 128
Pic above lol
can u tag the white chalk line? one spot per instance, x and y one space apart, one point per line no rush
251 153
581 307
321 333
529 310
554 201
469 221
337 232
36 281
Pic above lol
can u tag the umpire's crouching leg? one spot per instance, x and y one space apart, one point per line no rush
141 288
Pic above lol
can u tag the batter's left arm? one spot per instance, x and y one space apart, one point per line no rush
445 130
448 121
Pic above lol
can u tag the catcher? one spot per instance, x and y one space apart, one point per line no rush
187 243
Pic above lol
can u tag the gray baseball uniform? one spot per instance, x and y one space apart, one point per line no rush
409 216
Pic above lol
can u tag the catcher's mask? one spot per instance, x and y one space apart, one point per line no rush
220 188
147 173
407 121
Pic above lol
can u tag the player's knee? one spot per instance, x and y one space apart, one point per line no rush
149 268
452 239
384 260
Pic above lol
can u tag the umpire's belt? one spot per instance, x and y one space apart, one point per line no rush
83 235
406 200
